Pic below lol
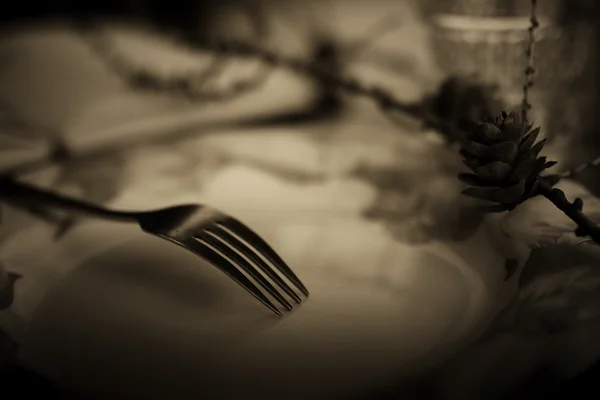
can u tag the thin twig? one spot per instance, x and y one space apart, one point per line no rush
574 210
386 101
530 57
190 85
573 172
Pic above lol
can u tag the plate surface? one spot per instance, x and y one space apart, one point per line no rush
148 317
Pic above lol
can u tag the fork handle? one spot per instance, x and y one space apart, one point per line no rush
16 192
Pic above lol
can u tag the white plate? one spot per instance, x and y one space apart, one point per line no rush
115 311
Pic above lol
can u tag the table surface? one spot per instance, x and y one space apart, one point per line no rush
107 301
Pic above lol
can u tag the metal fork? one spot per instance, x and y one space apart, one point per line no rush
220 239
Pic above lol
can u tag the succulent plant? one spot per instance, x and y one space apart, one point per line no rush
502 154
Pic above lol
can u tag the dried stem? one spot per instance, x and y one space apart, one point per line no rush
530 57
386 101
191 85
585 226
573 172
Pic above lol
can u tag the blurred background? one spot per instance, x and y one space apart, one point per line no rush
119 103
52 77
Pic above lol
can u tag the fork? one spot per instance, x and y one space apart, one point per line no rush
218 238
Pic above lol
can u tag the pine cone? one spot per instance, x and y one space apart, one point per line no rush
503 156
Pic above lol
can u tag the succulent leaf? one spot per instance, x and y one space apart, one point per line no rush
511 194
475 149
509 119
480 192
512 132
471 164
537 148
504 151
470 179
487 133
522 171
493 172
530 139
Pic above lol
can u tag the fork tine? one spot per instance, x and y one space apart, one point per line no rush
234 242
263 247
246 266
201 249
